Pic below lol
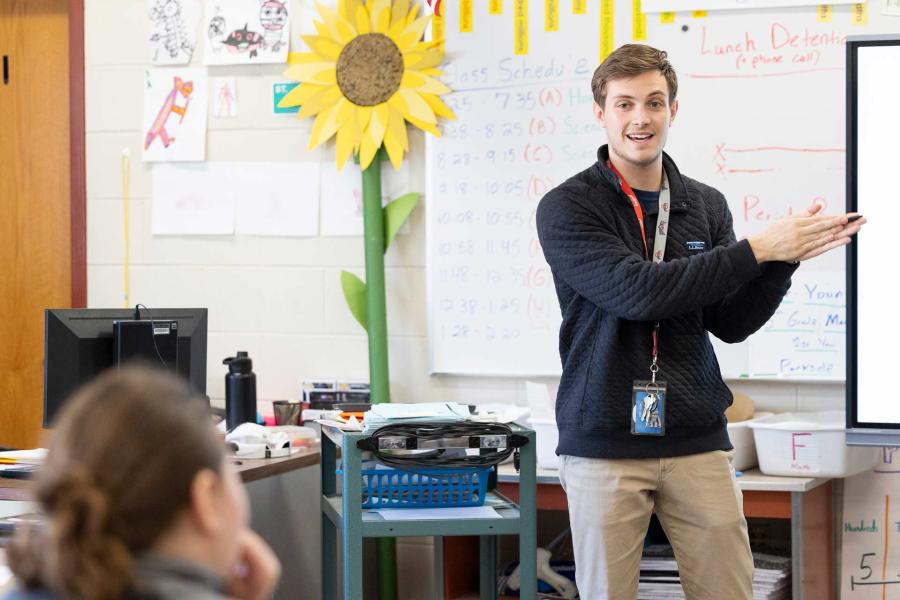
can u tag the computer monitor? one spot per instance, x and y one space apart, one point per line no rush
78 345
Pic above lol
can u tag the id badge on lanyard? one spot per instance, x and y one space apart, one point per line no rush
648 396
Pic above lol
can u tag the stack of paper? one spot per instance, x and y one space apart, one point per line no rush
771 577
392 414
659 576
23 457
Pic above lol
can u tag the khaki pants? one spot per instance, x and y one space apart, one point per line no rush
698 503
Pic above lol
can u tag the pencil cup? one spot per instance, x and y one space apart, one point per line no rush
286 412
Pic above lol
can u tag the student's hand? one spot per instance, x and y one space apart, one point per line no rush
796 238
257 571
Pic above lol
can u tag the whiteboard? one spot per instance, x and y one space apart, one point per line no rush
761 118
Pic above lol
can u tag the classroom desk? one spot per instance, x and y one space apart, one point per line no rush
250 469
254 469
806 501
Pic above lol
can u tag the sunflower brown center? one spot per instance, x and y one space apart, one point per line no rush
369 69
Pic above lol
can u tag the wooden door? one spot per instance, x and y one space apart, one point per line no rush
35 202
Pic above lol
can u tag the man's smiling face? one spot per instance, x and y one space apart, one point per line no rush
637 115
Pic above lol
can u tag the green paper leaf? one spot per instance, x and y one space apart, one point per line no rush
355 295
395 215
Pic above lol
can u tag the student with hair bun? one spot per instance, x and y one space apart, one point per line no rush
139 502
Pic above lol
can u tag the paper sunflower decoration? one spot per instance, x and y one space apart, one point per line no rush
369 73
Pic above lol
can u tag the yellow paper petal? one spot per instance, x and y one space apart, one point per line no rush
347 8
427 58
438 106
398 11
324 126
325 47
392 141
416 107
336 117
296 58
397 103
367 150
341 28
381 15
396 30
347 141
301 94
418 26
316 104
397 129
373 136
429 127
362 20
363 114
324 30
322 73
411 59
346 109
378 124
413 33
413 13
422 83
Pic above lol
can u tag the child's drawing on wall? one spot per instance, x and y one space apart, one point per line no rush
217 32
246 32
175 106
173 30
273 16
224 97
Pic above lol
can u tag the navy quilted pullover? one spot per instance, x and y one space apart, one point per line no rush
610 295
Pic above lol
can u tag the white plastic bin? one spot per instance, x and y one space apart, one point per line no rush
742 439
547 437
808 444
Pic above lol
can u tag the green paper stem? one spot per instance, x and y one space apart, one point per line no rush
376 319
386 554
376 309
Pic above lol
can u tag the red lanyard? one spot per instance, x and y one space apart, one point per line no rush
635 204
639 213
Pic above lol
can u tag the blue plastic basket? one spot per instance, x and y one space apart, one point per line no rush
384 487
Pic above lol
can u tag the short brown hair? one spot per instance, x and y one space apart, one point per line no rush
121 461
630 60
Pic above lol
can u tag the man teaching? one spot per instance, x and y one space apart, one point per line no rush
646 266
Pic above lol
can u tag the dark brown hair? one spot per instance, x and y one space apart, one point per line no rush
121 461
630 60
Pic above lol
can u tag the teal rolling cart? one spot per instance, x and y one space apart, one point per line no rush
342 514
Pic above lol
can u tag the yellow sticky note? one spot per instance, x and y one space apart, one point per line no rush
606 28
698 14
551 15
859 15
465 16
667 18
520 28
437 30
823 13
638 22
579 7
495 7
